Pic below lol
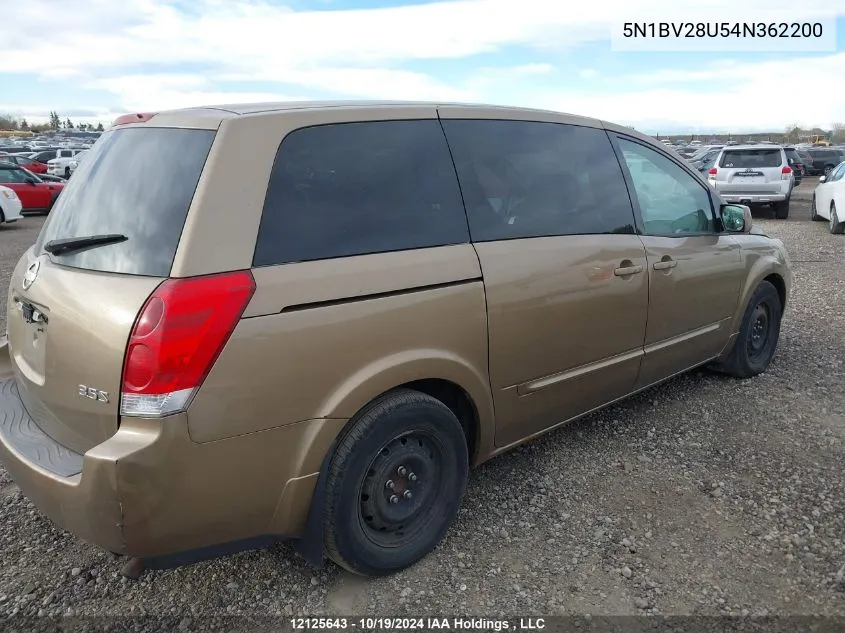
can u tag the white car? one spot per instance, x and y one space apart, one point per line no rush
74 162
10 206
829 199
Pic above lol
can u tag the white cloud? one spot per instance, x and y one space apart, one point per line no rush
111 46
749 96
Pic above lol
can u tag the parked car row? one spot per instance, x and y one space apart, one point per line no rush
31 192
51 161
764 173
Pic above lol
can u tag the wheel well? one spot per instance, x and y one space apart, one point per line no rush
458 401
777 282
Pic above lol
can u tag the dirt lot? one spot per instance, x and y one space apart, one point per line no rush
706 495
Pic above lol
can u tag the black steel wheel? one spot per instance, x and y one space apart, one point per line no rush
758 336
395 483
759 331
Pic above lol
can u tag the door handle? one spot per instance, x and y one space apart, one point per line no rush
624 271
665 264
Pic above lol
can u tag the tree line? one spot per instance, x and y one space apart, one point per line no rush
55 123
836 134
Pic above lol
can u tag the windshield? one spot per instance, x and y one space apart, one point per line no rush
751 158
14 175
137 182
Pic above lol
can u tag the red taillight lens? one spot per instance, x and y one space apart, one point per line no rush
176 338
786 170
713 171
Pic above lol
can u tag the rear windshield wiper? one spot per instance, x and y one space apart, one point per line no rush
71 244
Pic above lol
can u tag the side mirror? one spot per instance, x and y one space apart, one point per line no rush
822 179
736 218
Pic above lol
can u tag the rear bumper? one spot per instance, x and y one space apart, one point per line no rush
150 491
754 198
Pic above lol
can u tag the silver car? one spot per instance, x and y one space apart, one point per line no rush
754 175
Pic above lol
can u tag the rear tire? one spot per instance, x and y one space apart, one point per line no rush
758 336
395 483
781 209
814 214
837 227
67 173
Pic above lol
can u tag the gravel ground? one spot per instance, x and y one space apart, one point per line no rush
706 495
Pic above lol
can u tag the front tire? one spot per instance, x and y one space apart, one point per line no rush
395 483
758 336
837 227
814 214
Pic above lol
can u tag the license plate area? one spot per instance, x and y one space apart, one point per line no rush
28 340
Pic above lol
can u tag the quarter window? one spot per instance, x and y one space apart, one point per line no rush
671 200
523 179
358 188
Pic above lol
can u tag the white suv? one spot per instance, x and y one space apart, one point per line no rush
754 175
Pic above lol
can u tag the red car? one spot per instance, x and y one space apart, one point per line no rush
34 193
30 164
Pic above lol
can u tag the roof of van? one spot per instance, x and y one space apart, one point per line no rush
211 116
255 108
214 114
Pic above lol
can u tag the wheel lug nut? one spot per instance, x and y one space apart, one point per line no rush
412 477
389 485
407 494
394 499
402 471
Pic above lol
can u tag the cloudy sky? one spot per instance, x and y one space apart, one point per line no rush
93 59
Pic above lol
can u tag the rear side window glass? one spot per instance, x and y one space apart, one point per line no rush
523 179
137 182
751 158
358 188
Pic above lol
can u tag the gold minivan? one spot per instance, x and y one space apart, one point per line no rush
306 321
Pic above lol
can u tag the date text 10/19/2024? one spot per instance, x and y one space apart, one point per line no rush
417 624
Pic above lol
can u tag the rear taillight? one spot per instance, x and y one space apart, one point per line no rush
711 174
785 172
176 338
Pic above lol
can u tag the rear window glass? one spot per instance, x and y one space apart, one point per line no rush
137 182
360 188
751 158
